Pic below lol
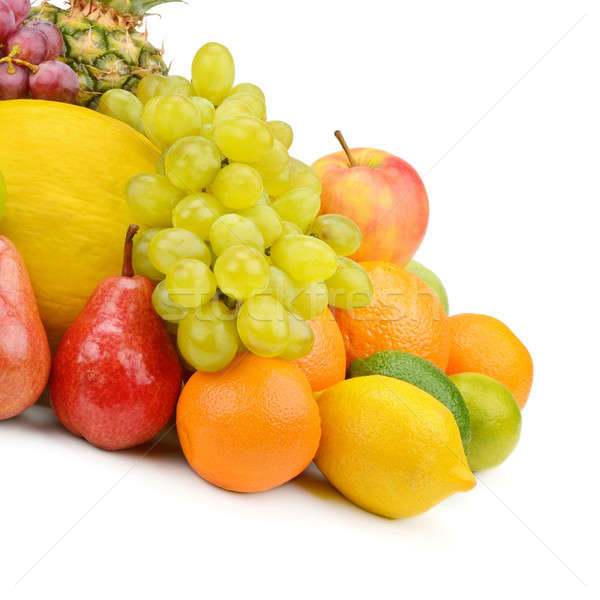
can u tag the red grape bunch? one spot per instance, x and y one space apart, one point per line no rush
28 58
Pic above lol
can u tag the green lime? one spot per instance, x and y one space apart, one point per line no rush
2 194
422 374
495 419
432 280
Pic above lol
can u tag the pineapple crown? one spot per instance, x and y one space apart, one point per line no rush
127 14
136 8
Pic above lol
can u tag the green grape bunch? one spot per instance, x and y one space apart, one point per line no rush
234 239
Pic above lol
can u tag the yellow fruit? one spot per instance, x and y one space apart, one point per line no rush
66 168
390 447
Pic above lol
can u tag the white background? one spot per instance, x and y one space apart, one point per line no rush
498 110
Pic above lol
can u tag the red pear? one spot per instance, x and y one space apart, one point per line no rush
116 376
24 350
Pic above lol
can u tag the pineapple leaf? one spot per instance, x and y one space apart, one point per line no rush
138 8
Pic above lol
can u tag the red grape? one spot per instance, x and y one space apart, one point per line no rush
7 21
54 38
31 42
56 81
20 9
14 82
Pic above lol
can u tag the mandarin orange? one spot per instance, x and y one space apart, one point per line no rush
404 314
250 427
325 365
485 345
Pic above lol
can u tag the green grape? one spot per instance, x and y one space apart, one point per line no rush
288 228
233 108
281 131
151 199
173 84
233 230
165 307
167 119
205 108
350 287
242 271
124 106
248 88
299 206
147 87
206 131
213 72
267 221
190 283
197 212
160 165
340 232
237 186
301 175
263 200
305 258
263 326
311 300
171 245
141 262
281 286
278 185
192 163
207 338
243 139
274 162
301 339
252 101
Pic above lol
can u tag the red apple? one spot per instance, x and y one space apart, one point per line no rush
382 194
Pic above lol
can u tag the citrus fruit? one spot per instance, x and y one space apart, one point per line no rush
432 280
403 315
483 344
390 447
495 419
325 365
250 427
422 374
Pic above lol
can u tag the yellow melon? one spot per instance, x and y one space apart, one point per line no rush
66 169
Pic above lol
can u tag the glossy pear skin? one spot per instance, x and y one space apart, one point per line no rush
24 350
116 376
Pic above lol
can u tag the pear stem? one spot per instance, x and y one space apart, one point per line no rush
127 270
342 141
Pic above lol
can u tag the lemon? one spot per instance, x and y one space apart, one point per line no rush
390 447
421 373
495 419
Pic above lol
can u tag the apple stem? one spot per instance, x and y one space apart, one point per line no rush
342 141
127 270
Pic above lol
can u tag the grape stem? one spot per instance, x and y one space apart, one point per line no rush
127 270
12 61
342 141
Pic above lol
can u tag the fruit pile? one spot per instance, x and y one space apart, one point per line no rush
99 40
290 290
29 65
235 241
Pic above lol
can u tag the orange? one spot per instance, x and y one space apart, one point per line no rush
250 427
485 345
404 314
326 364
